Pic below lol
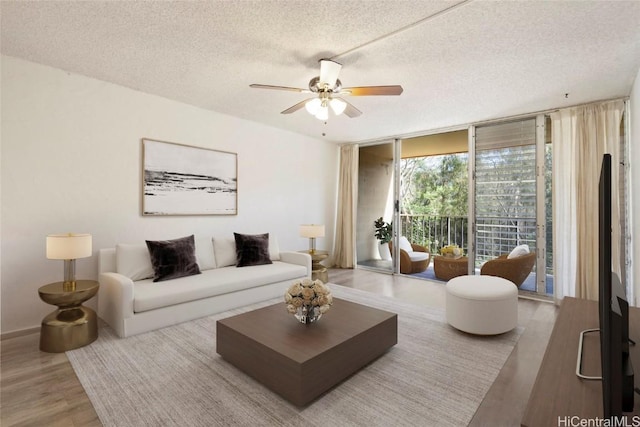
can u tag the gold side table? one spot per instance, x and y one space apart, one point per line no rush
72 325
318 271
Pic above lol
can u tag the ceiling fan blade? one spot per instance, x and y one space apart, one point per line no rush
291 89
329 71
372 90
351 111
296 107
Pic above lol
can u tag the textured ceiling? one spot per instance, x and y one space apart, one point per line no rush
479 60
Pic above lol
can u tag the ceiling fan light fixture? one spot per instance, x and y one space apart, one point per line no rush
325 86
313 106
338 106
323 113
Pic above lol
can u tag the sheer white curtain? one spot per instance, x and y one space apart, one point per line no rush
580 136
345 241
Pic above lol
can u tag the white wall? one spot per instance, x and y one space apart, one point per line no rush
634 145
71 161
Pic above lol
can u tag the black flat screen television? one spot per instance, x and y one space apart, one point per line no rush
617 372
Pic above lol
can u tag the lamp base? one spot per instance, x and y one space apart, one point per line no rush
69 286
69 275
312 245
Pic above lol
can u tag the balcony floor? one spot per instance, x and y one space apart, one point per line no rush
428 274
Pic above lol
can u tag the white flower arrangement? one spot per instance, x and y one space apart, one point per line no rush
313 295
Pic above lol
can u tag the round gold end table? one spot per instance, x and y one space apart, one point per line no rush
72 325
318 271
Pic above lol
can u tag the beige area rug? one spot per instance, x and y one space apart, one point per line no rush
434 376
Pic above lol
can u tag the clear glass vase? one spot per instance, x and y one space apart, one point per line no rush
308 314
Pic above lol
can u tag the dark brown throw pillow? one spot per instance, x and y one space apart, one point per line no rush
252 249
173 258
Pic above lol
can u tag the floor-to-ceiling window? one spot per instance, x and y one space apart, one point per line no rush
545 191
434 193
376 181
510 190
510 187
511 194
432 198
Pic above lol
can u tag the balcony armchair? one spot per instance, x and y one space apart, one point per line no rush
514 269
413 258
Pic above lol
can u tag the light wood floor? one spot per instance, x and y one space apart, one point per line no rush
506 401
41 389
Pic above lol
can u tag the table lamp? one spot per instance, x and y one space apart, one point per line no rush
312 231
69 247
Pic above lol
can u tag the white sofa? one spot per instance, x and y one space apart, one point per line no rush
131 303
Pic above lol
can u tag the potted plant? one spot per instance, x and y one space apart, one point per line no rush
383 234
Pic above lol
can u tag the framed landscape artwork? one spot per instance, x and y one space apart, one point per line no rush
184 180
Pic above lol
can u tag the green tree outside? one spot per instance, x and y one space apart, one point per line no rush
435 185
434 188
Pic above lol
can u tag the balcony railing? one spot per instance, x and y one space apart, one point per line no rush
495 236
435 232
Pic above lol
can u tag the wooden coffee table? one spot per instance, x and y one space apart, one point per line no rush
300 362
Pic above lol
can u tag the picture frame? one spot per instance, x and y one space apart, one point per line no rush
180 179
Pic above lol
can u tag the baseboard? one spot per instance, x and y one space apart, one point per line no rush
19 333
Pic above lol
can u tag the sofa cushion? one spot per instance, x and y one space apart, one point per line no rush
148 295
418 256
133 261
204 253
274 248
225 251
519 251
252 249
173 258
405 245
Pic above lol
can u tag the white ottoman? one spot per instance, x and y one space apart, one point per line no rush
483 305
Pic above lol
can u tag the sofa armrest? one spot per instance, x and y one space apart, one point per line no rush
115 300
298 258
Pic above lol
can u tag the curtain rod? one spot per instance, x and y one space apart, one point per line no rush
624 98
551 110
485 122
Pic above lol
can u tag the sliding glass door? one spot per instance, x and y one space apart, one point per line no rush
486 189
509 196
376 196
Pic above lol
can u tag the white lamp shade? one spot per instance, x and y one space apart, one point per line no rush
323 113
311 230
313 106
68 246
338 106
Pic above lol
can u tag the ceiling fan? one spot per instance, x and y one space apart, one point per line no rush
327 86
